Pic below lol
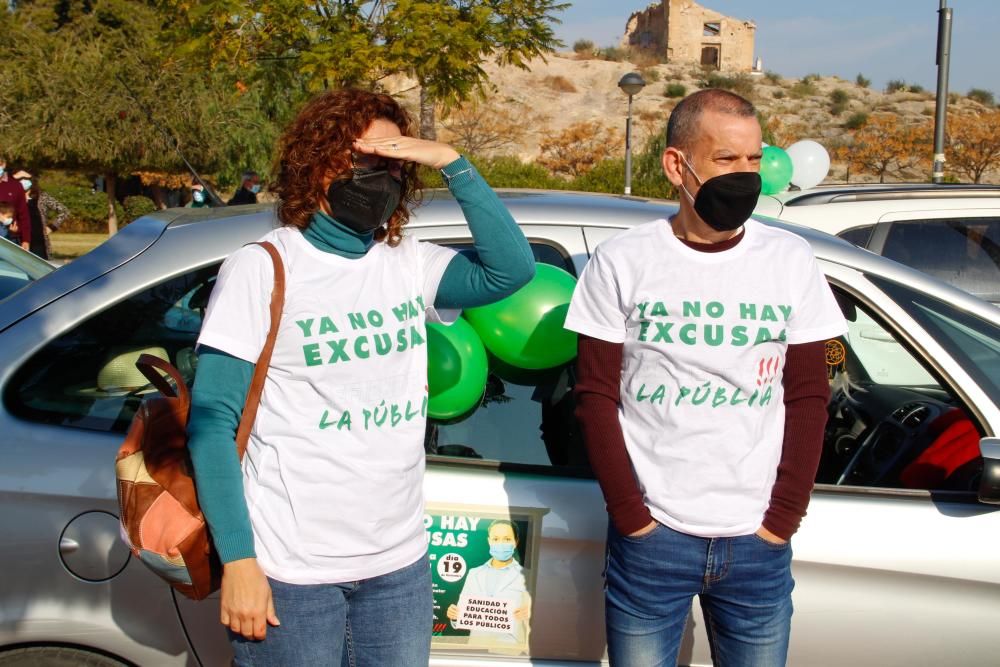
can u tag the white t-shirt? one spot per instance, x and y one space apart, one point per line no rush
333 471
704 336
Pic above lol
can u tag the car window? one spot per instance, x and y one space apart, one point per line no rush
963 252
525 417
86 378
18 268
858 235
892 423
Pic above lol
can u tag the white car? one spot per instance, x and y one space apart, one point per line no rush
951 232
896 563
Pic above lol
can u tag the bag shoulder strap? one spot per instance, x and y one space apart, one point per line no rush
264 361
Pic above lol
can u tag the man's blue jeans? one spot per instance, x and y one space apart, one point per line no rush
744 583
385 621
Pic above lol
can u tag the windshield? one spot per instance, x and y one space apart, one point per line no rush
972 341
18 268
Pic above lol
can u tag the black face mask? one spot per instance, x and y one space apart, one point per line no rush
725 202
366 201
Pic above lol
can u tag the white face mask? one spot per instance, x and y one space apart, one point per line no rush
6 222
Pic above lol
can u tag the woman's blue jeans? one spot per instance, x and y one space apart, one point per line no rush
745 587
385 621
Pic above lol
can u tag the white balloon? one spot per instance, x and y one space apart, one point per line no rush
810 163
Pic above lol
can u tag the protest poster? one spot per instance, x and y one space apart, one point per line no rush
483 570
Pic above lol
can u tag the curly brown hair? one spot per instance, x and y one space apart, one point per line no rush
319 140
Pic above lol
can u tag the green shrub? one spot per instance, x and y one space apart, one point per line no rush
811 78
895 86
862 81
766 134
583 46
88 209
982 96
675 90
606 176
650 75
916 88
837 108
741 84
856 121
778 94
508 171
839 96
772 77
804 88
137 206
612 53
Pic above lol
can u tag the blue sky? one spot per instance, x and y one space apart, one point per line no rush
882 39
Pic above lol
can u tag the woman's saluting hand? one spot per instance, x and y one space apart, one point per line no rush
407 149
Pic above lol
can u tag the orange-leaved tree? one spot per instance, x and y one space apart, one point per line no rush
887 146
579 147
974 144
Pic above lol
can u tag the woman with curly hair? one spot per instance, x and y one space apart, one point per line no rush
323 527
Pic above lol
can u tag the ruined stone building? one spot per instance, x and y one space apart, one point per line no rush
686 32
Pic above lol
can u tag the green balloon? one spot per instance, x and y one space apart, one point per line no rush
456 369
525 330
523 376
775 170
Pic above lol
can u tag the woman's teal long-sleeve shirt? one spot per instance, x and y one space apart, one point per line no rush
502 263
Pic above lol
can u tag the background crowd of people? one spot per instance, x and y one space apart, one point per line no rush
28 214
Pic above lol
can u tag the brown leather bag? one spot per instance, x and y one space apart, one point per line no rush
160 518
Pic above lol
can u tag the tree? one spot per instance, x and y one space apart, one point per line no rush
973 143
884 146
92 90
441 43
483 129
577 149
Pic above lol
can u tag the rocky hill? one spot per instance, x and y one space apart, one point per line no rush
566 88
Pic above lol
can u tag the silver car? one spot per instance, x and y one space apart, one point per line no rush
896 562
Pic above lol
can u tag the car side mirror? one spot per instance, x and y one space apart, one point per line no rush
989 484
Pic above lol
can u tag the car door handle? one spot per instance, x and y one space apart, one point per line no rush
68 546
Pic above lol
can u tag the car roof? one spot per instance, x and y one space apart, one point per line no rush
205 235
831 194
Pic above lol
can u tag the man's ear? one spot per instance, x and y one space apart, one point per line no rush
673 165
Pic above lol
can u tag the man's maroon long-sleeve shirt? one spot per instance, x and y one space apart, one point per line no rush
806 393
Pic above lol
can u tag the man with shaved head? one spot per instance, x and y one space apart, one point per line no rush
702 394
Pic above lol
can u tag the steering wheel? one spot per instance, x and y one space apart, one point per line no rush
890 444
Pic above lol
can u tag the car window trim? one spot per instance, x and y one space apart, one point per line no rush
574 472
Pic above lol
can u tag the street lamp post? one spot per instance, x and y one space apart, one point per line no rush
630 84
941 103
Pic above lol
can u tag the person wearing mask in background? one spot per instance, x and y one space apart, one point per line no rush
46 212
6 219
199 199
11 191
701 392
247 194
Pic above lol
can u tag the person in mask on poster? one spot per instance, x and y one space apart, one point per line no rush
503 578
321 533
701 393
